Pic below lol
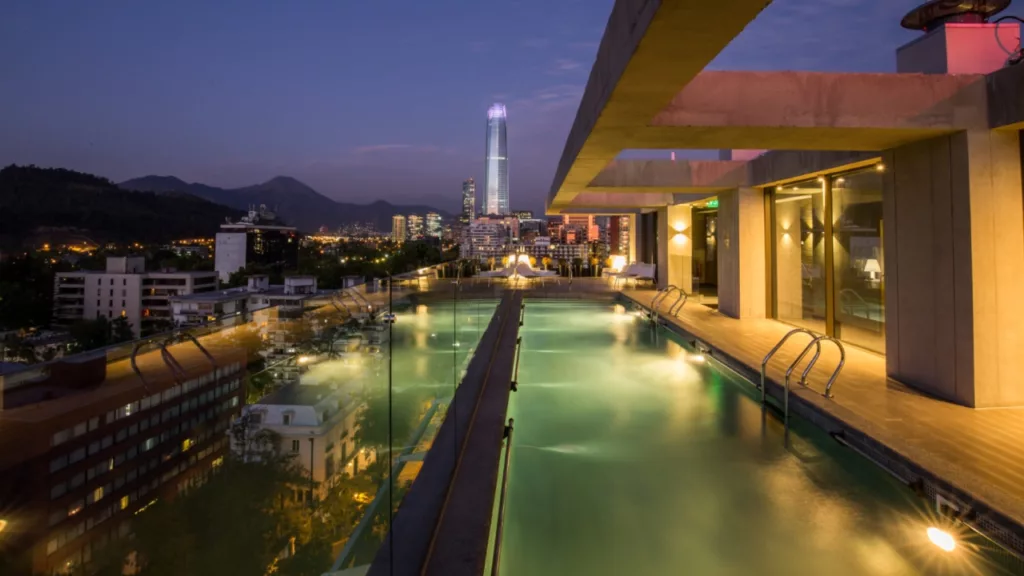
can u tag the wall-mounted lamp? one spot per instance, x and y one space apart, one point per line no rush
880 167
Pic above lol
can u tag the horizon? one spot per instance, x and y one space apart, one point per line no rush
219 104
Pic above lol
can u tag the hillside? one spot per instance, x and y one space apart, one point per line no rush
294 202
51 201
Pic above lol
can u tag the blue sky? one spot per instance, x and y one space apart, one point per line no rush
361 100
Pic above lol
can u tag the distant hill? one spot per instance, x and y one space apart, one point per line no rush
56 202
294 202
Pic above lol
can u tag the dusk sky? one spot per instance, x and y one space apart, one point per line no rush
361 100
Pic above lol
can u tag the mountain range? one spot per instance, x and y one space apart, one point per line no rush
294 202
55 205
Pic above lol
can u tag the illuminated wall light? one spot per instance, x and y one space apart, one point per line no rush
880 167
944 540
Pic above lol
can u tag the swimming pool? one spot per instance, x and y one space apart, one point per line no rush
633 455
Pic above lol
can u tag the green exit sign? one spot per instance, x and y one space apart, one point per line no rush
712 203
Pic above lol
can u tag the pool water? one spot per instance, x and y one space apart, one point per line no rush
632 456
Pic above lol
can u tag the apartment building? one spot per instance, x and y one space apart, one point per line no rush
86 443
316 424
125 290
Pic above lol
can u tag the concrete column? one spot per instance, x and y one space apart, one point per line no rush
741 253
954 267
680 247
662 237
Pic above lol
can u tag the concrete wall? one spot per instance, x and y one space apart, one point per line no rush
954 267
680 247
741 253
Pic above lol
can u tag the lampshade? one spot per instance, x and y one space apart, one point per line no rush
871 266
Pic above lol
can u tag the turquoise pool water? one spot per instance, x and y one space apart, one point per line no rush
631 456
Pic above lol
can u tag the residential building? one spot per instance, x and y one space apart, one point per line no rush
416 229
256 239
317 424
468 202
125 290
496 167
432 225
618 235
399 233
86 444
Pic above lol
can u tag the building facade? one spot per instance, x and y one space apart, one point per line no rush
496 167
86 446
317 424
432 225
468 202
126 290
398 229
255 240
890 221
415 227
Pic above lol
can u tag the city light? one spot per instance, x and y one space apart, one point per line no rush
304 359
944 540
3 524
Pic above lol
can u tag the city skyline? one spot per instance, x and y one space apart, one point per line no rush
227 109
496 199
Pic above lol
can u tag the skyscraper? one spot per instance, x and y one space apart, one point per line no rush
414 226
398 232
468 201
432 225
496 169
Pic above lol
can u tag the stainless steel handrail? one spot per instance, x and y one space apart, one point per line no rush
835 374
789 372
515 369
764 363
673 310
661 295
500 521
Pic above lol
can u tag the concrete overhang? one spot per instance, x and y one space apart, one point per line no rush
649 51
794 111
669 176
1006 98
621 202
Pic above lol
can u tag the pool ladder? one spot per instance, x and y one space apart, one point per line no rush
662 295
816 340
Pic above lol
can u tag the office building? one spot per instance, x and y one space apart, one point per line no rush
432 225
125 290
468 202
496 167
415 226
399 233
523 214
618 235
255 240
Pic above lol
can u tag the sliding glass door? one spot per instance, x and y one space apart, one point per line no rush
828 273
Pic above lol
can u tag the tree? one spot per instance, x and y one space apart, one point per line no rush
98 332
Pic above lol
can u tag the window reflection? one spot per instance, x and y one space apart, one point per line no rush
858 261
800 255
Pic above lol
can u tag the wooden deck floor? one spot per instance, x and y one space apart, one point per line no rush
980 452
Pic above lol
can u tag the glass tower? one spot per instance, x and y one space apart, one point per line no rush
468 201
496 170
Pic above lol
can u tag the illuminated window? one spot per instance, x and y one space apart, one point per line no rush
186 444
124 502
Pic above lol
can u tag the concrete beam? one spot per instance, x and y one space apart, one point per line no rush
1005 100
783 166
649 51
774 106
670 176
632 200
